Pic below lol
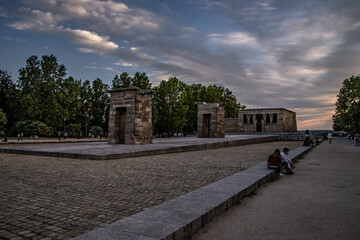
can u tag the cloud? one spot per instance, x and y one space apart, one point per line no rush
237 38
90 67
291 54
110 69
90 39
3 13
125 64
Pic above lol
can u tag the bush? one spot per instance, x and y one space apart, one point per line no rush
74 130
96 130
30 127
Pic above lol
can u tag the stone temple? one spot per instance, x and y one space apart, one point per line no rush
130 116
263 120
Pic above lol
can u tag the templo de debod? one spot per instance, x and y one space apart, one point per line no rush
263 120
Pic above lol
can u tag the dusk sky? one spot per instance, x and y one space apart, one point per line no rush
289 54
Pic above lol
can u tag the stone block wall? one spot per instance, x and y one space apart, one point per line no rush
211 120
231 124
267 120
130 116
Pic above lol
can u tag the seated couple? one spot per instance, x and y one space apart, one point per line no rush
277 160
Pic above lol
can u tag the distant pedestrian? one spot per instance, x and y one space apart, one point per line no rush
329 137
21 136
105 135
65 135
307 138
357 138
18 136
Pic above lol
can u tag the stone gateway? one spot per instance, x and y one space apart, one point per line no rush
130 116
211 121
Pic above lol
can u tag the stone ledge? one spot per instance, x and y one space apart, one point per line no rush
161 150
181 217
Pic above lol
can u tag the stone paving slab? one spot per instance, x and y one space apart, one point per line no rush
181 217
105 151
61 198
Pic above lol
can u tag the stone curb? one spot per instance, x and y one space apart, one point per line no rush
26 142
181 217
161 150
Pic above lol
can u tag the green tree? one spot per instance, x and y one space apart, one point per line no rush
169 98
124 80
8 99
141 81
347 113
41 91
99 103
121 81
74 130
220 94
3 120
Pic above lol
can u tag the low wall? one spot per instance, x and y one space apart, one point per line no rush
231 124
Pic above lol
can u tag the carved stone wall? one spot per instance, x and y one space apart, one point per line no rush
130 116
266 120
211 121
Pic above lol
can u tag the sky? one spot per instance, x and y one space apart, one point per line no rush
270 54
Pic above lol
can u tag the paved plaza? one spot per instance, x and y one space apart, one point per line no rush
60 198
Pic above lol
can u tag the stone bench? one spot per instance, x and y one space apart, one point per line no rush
181 217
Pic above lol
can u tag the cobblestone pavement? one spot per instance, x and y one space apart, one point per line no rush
60 198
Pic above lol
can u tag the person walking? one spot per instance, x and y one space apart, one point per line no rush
21 136
329 137
357 138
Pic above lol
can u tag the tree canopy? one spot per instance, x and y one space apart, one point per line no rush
43 94
124 80
347 113
44 100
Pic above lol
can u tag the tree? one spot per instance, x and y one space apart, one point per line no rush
220 94
347 113
141 81
8 100
99 101
41 91
3 119
121 81
124 80
169 98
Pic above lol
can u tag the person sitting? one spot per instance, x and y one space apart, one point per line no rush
287 162
274 162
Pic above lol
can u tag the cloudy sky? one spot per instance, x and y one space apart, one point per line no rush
281 53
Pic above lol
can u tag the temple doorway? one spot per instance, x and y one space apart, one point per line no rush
206 125
120 124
